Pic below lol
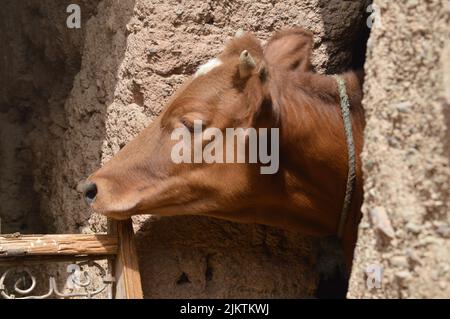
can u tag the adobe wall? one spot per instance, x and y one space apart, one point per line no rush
405 230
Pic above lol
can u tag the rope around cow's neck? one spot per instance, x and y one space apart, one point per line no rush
345 108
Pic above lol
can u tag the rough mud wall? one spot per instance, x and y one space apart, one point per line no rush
134 55
39 58
405 228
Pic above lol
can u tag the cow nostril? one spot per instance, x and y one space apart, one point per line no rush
90 192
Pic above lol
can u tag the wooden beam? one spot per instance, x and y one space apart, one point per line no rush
58 245
39 260
126 266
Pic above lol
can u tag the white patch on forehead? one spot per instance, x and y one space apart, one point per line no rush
208 66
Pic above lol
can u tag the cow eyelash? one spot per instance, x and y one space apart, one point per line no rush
188 124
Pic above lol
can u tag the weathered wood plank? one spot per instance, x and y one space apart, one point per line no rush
126 267
50 259
58 245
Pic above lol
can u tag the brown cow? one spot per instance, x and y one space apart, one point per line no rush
247 86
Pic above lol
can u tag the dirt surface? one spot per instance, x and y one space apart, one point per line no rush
405 229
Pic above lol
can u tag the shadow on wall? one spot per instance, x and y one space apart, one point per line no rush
51 121
350 51
39 59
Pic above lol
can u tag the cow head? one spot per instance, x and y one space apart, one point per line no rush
230 91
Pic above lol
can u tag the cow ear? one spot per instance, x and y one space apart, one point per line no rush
290 50
262 97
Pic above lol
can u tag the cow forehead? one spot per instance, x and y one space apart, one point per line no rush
208 66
